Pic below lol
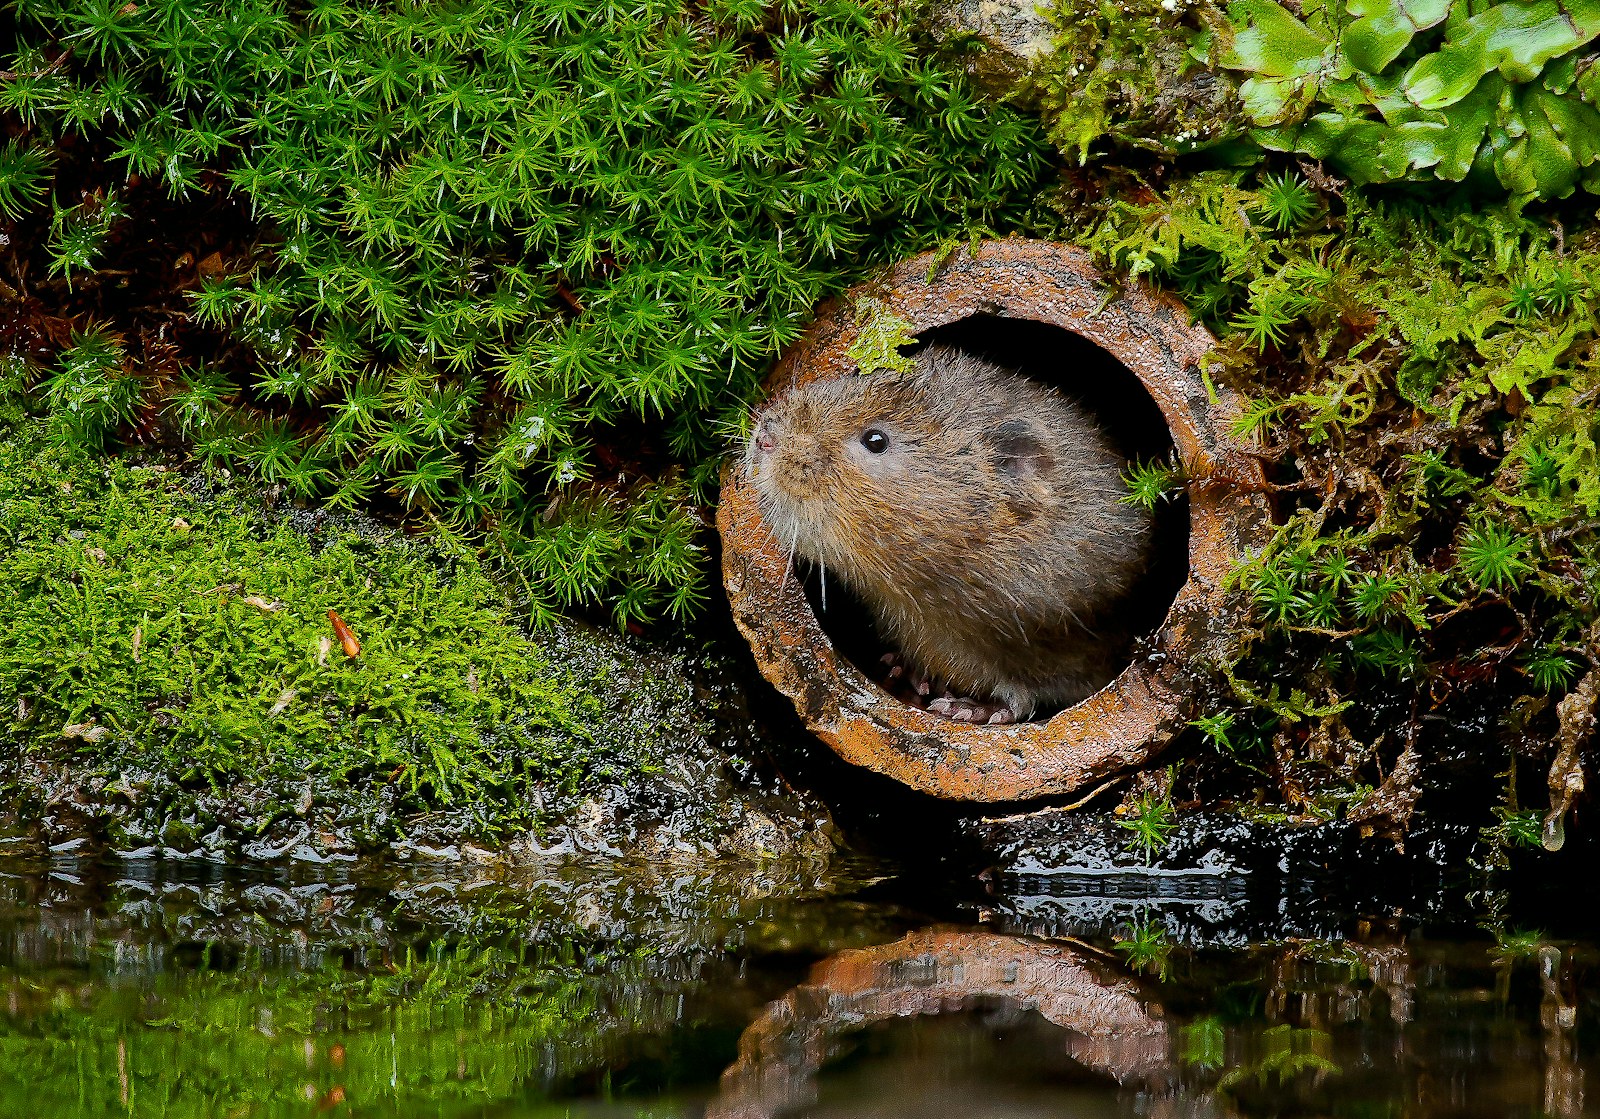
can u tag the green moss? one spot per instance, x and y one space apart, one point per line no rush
1514 828
1421 379
1149 822
159 622
1151 483
1121 73
518 266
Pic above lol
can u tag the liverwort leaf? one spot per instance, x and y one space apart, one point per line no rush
1560 139
1384 28
1515 38
1468 120
1286 59
1273 41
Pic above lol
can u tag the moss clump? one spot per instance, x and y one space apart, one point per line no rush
1122 73
162 627
1420 370
883 334
1422 380
516 264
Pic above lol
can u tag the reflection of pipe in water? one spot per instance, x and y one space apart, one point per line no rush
1558 1019
928 973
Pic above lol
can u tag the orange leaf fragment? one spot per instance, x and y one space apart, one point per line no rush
352 647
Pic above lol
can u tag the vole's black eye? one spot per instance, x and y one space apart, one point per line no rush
874 440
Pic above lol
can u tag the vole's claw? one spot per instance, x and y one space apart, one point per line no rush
964 710
896 666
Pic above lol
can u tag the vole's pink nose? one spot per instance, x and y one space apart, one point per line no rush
766 438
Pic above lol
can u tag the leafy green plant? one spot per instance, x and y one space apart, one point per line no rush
1150 820
77 233
1498 93
91 392
1389 651
1550 668
1217 728
519 266
24 175
1490 556
1146 946
1286 201
1151 483
1516 828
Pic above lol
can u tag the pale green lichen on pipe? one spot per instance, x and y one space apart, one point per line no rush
877 345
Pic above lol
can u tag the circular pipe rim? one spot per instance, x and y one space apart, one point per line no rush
1133 717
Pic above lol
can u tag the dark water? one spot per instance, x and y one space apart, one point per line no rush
631 991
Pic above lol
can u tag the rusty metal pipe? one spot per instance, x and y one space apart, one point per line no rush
1131 719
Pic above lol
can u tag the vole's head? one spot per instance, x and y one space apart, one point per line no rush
869 474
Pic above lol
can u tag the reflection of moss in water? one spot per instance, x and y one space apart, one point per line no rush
438 1035
229 997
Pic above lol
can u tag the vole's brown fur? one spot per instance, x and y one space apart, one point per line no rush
988 538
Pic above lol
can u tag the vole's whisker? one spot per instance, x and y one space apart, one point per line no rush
794 542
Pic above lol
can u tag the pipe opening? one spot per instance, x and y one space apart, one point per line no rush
1124 409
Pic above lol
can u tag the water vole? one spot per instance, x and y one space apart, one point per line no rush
976 513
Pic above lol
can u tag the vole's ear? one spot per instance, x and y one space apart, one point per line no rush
1017 449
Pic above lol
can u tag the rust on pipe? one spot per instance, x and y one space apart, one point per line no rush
1129 720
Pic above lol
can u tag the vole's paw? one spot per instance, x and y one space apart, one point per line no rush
964 710
896 664
917 679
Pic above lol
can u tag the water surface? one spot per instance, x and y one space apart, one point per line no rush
618 990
